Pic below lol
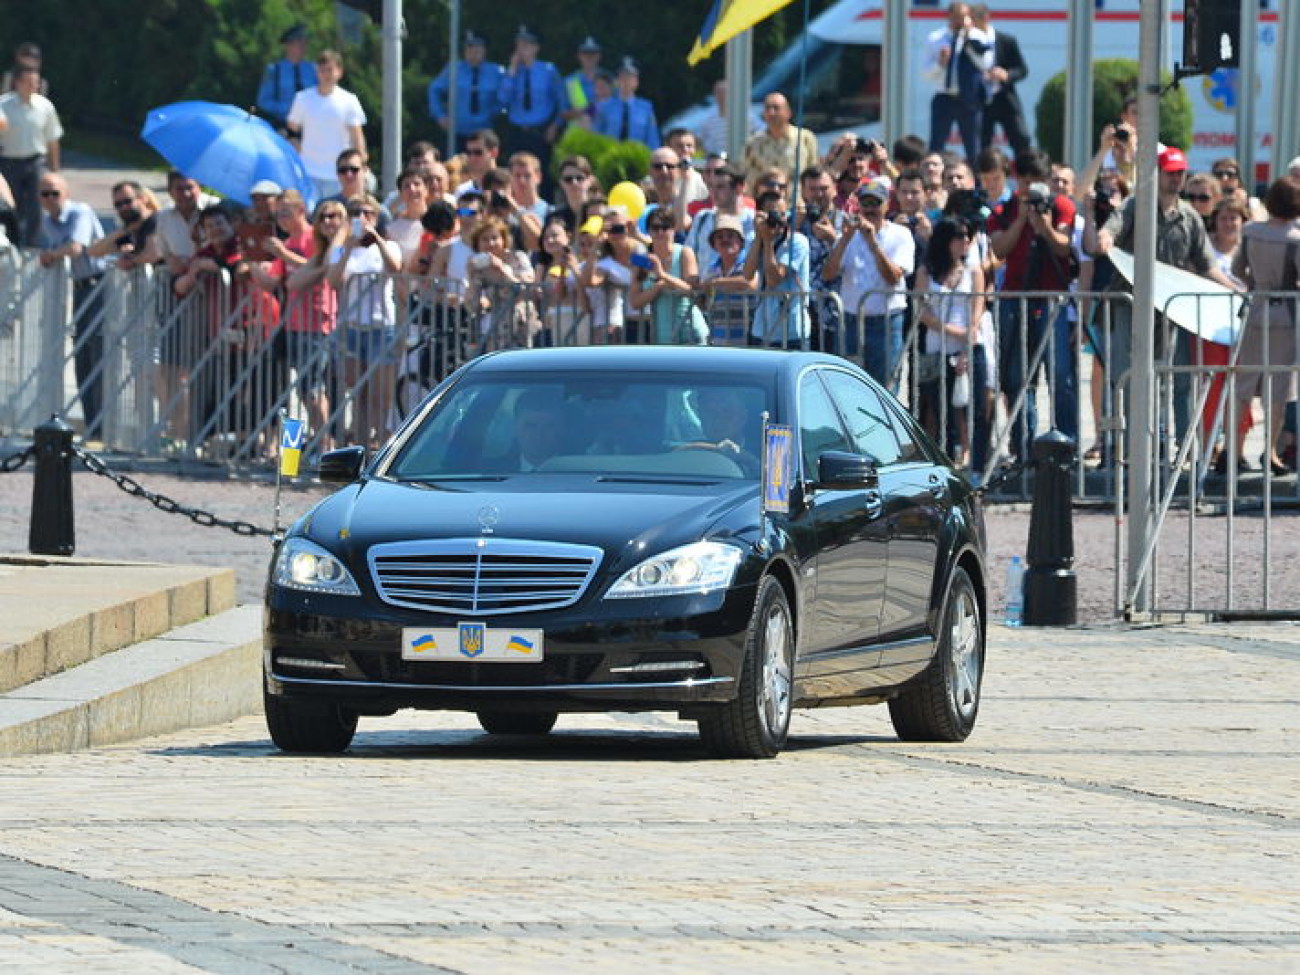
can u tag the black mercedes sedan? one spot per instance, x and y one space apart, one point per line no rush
724 533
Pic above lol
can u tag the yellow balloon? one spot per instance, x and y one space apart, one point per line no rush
630 197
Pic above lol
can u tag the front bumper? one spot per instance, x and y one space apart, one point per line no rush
624 655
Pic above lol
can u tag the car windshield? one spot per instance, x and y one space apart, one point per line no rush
673 426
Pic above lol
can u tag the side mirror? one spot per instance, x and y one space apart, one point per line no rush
840 470
342 466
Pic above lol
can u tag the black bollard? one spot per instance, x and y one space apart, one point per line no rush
53 531
1051 589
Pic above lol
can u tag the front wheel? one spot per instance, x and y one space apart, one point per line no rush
517 722
757 723
943 703
301 726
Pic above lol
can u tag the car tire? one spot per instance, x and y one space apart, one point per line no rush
943 703
308 727
517 722
757 722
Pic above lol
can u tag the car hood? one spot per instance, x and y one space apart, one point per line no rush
616 516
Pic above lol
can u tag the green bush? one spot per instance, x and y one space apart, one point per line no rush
611 160
1113 82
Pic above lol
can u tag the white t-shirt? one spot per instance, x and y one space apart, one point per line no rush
325 121
367 298
861 275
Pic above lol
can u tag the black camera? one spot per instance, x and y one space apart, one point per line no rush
1040 197
867 146
813 214
1101 204
971 207
499 200
1121 135
775 219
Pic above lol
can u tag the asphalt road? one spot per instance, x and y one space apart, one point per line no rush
112 524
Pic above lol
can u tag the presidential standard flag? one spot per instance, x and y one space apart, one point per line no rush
292 434
778 466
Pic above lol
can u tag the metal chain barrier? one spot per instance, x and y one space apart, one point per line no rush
14 461
164 503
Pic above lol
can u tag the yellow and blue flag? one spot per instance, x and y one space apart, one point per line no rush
518 644
292 434
727 19
778 466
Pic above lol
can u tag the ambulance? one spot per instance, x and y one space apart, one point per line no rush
842 91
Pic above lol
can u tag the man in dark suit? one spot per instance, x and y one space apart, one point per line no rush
956 57
1003 107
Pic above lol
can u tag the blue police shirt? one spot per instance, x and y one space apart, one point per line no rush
640 121
534 96
579 82
478 95
281 81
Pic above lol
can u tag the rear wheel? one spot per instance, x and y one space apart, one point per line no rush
757 722
301 726
943 704
517 722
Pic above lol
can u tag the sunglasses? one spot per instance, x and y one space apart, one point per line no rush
1198 197
476 152
772 184
467 212
51 192
663 165
1226 173
119 204
870 201
616 228
361 212
575 178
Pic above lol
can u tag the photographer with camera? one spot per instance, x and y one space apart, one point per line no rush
875 255
822 223
779 256
1032 232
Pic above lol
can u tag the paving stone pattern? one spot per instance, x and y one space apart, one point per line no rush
1128 802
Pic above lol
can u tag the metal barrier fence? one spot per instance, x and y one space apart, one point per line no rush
204 375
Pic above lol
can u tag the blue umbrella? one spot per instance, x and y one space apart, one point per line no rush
225 148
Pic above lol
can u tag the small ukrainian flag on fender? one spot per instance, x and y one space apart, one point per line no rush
292 434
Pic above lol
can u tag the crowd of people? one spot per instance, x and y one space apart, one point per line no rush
895 256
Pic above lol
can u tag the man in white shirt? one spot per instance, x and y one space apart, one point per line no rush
875 256
29 147
327 119
957 57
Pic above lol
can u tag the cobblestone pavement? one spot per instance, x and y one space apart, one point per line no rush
1129 801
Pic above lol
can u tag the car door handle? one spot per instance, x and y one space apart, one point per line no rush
873 504
937 486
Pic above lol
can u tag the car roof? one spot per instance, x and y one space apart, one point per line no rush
679 358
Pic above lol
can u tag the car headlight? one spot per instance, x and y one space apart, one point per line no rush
696 568
302 564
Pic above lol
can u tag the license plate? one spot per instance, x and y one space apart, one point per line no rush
472 641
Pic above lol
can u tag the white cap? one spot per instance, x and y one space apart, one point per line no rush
265 187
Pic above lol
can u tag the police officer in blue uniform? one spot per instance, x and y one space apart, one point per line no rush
478 92
625 116
286 77
580 87
533 95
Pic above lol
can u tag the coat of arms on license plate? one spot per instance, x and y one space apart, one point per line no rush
473 638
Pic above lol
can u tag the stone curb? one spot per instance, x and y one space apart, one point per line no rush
57 613
203 673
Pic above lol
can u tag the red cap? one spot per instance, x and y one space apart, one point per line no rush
1172 160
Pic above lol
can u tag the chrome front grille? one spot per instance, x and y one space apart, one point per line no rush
482 576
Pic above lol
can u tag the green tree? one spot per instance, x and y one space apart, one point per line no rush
1113 82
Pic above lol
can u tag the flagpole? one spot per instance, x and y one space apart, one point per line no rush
279 477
